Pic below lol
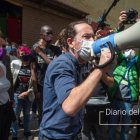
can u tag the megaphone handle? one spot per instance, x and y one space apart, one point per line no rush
112 51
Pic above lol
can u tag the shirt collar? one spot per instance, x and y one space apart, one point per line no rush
74 60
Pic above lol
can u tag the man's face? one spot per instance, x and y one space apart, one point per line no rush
83 32
48 38
131 53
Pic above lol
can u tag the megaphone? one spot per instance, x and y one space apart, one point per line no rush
129 38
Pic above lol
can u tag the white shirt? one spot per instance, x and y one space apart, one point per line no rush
4 85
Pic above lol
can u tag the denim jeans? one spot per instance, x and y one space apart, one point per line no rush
24 104
34 106
115 119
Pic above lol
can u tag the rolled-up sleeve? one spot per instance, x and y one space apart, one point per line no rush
63 79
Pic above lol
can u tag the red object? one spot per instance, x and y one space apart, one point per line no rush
14 29
95 24
102 33
24 49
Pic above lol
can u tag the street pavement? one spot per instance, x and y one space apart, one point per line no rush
34 130
103 132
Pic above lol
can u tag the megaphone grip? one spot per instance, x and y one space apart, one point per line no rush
96 46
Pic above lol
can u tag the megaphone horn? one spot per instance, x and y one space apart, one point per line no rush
129 38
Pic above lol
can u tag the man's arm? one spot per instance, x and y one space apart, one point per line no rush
37 49
108 80
122 19
43 55
81 94
34 81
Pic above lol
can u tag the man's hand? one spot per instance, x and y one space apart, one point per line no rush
38 45
123 17
105 56
37 49
102 33
23 95
122 20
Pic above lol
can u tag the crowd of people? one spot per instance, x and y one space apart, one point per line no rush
57 81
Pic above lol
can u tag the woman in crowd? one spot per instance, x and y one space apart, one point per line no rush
6 110
22 71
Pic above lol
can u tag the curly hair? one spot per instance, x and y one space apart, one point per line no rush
60 39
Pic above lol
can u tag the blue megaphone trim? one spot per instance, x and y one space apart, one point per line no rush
96 46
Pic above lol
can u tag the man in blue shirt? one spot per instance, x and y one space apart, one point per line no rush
64 93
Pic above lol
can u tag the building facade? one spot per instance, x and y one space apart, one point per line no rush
24 27
20 20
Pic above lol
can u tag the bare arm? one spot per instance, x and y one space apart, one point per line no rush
80 94
34 80
122 19
108 80
44 56
37 49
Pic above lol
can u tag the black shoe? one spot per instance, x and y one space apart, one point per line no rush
14 138
27 134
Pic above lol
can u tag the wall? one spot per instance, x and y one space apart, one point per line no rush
97 7
34 16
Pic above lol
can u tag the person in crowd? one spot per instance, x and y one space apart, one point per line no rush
13 54
124 90
6 110
8 45
6 62
60 40
64 93
23 75
43 52
97 103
